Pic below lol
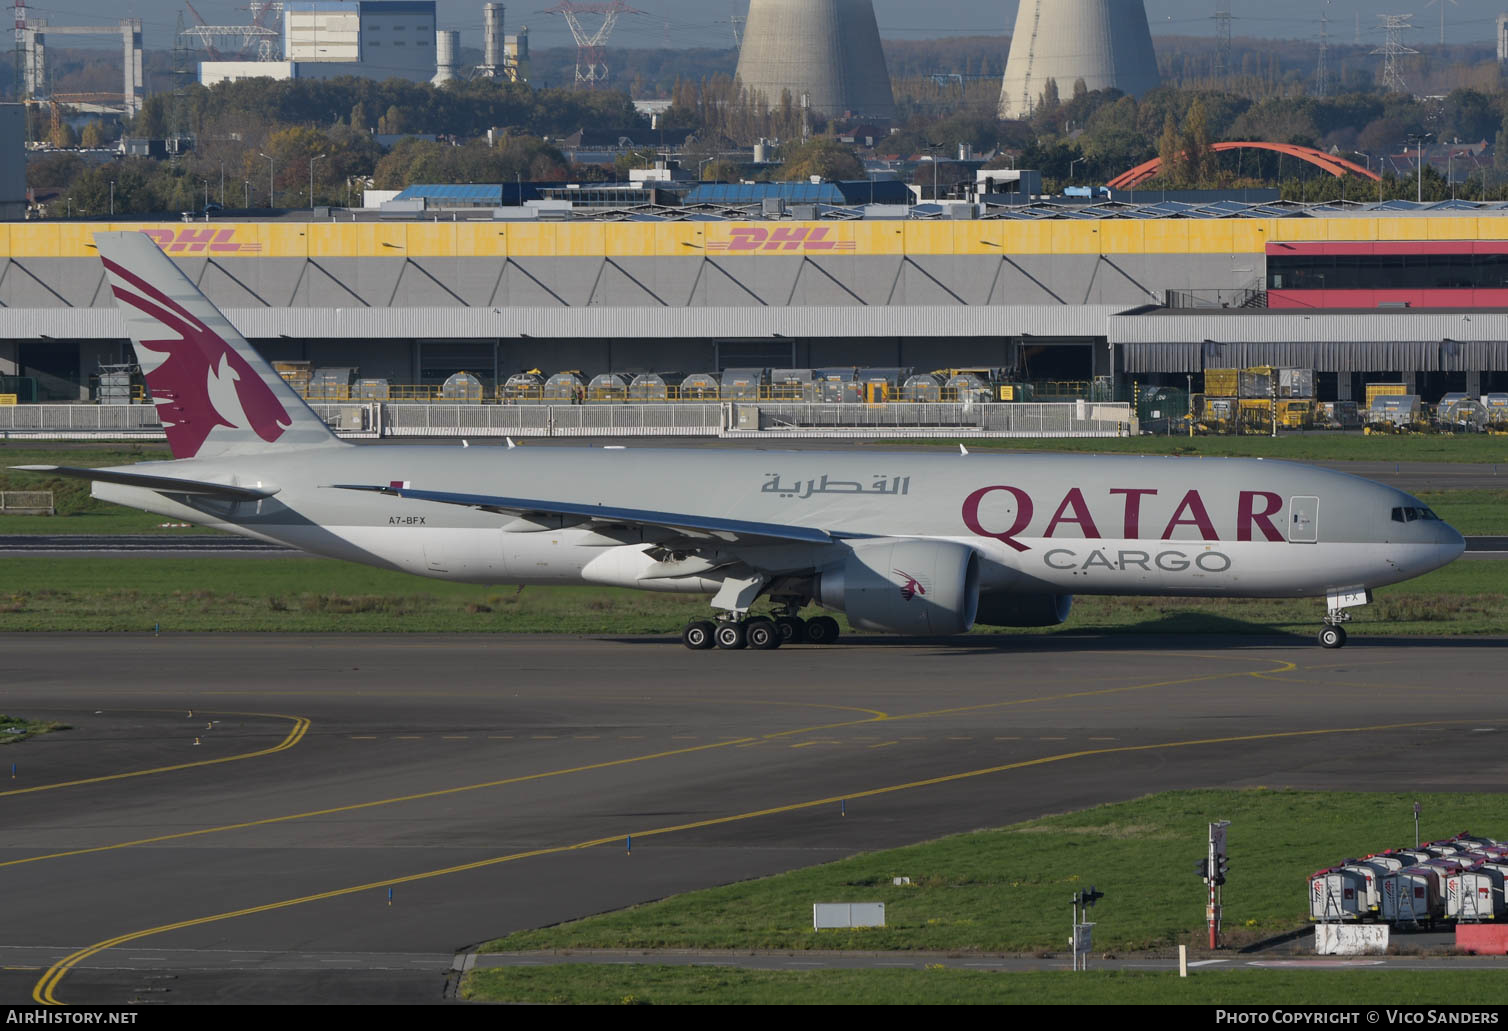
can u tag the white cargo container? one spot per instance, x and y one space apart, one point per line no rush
1389 861
1337 894
1412 896
1474 895
1372 875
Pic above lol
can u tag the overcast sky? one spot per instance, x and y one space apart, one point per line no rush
705 22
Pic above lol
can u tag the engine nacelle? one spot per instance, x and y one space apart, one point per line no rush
999 608
905 586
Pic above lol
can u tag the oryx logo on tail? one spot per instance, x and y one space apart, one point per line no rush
200 382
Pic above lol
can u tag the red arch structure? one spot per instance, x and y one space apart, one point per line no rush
1336 166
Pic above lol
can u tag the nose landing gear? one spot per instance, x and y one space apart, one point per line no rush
1333 634
1332 637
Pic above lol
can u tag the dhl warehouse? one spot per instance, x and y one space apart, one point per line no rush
1359 293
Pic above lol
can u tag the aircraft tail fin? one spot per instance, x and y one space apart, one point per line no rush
214 393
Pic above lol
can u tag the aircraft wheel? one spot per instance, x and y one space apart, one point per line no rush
822 630
792 629
762 634
698 635
730 636
1332 637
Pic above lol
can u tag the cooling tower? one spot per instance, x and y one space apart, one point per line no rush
1104 42
827 50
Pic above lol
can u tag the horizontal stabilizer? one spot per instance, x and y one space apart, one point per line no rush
711 526
162 484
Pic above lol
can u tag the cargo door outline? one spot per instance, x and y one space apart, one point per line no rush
1303 520
434 553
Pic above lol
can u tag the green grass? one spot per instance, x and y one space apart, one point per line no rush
583 984
15 728
1472 512
1007 890
1301 447
77 512
310 594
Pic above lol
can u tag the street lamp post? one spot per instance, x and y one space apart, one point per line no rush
1417 139
1071 164
112 198
311 178
271 181
246 193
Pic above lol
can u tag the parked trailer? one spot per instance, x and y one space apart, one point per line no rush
565 388
1394 412
1337 894
701 386
1412 896
608 386
655 386
1414 855
1474 895
523 388
1372 875
838 385
461 386
1472 838
742 384
1390 860
924 387
792 385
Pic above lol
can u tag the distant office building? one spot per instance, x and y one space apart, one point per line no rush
1503 39
12 161
322 39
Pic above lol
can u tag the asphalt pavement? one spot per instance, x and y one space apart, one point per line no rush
228 815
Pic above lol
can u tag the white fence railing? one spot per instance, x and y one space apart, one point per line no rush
373 419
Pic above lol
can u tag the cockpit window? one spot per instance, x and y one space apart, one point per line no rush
1409 515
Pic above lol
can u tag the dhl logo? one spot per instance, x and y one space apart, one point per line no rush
793 238
200 241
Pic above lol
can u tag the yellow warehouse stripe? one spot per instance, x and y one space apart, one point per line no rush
488 239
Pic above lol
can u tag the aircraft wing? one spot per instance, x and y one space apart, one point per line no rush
695 526
162 484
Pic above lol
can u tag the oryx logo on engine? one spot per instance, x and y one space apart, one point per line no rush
911 587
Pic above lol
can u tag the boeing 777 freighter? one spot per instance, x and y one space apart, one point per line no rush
904 543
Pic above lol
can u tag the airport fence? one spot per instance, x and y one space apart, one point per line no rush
1074 419
80 422
374 419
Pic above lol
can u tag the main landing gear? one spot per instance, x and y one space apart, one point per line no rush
758 632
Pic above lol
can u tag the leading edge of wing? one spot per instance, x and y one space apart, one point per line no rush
670 520
161 484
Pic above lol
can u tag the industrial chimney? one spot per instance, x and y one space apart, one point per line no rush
1104 42
492 41
447 51
825 51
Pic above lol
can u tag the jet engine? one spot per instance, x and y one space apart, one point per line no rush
998 608
905 586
